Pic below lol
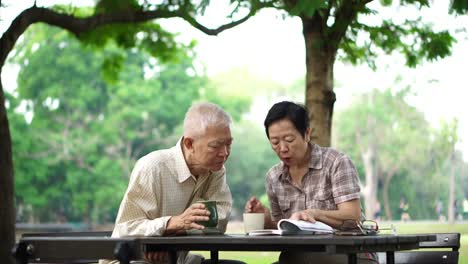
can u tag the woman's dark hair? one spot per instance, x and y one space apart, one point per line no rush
295 113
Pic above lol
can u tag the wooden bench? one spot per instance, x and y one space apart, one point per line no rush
70 234
447 245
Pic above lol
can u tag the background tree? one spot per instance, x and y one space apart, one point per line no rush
444 157
390 137
90 134
398 153
341 29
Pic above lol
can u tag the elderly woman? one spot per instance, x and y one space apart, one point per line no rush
310 182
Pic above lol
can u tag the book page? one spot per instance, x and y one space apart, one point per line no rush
300 226
265 232
291 227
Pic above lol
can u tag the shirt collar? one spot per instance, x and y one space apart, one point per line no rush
315 161
181 167
316 156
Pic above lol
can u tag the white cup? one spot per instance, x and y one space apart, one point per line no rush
253 221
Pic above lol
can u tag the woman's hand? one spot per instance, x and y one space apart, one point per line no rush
309 215
253 205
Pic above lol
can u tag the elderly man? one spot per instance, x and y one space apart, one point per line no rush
166 184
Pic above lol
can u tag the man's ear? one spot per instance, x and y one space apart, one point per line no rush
188 143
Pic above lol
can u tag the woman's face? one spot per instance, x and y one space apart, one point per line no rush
287 142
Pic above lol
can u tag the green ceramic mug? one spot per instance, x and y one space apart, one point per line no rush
211 207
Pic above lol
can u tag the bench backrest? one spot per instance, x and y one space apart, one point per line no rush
445 240
71 234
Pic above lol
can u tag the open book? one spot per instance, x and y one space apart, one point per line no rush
295 227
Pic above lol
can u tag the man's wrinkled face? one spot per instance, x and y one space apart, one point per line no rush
211 150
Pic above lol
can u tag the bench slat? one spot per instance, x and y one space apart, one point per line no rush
449 241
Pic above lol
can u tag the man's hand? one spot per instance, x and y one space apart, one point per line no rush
253 205
187 220
309 215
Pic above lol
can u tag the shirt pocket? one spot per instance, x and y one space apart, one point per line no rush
285 205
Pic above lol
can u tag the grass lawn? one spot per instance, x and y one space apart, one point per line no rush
415 227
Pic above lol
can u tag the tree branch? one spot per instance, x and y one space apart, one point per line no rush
78 25
253 10
344 15
213 32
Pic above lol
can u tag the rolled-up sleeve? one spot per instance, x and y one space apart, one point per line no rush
133 216
345 180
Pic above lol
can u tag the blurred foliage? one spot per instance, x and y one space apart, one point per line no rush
250 159
77 137
459 7
251 154
411 157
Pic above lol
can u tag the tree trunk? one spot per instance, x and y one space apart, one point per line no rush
386 185
320 97
7 215
370 190
451 202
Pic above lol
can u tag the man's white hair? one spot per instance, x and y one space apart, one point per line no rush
202 115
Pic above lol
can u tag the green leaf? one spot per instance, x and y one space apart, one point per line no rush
108 6
111 66
308 7
386 2
459 7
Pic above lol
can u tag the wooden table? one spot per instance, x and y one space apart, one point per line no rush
87 246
